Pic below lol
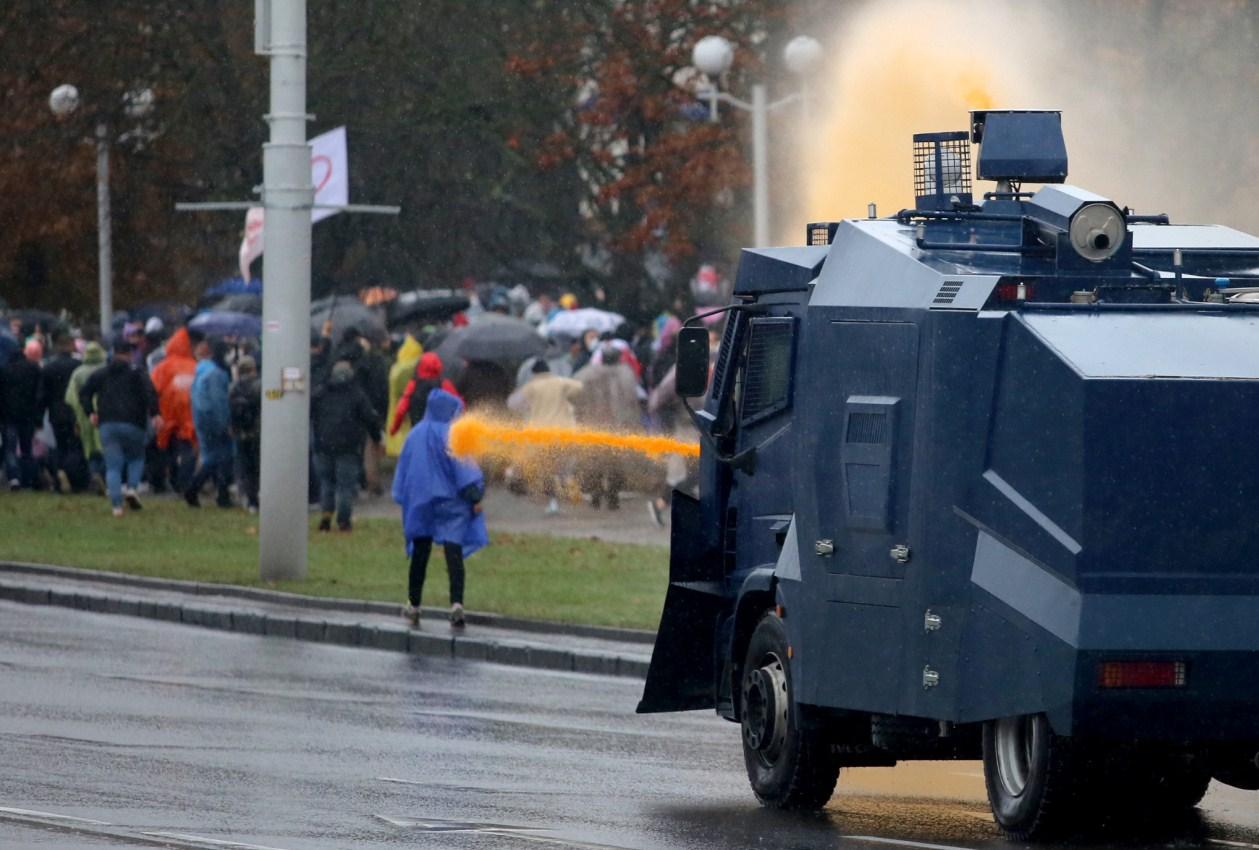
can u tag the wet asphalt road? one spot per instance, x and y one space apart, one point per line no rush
153 734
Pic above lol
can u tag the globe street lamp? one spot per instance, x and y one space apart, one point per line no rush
712 56
137 104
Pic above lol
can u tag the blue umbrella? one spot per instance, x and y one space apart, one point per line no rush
235 286
227 323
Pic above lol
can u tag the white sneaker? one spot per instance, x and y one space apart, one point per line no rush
552 507
132 498
118 511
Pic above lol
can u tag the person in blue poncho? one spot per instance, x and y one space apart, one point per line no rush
440 497
212 420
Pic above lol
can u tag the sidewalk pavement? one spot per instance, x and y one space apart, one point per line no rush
347 622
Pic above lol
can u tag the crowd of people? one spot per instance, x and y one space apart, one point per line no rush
133 413
145 411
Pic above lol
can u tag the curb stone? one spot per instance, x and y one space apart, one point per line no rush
325 603
342 633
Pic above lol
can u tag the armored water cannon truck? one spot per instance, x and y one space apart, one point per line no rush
979 480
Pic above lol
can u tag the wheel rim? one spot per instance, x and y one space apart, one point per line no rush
765 704
1015 743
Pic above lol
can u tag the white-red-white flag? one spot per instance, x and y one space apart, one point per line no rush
329 174
251 245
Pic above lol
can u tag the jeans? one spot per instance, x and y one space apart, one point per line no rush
18 440
124 453
338 484
421 548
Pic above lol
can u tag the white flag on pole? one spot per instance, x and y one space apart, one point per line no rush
329 174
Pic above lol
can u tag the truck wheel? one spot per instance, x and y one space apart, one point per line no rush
1030 775
789 766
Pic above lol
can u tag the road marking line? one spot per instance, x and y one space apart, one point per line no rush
899 842
212 841
51 816
478 789
495 830
1231 843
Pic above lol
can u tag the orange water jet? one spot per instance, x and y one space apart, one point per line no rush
476 436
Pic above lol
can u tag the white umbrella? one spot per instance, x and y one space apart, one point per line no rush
574 323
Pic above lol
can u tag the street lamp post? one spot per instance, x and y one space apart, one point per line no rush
137 104
713 55
104 232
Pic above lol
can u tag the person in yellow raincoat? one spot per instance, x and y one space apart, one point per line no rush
402 370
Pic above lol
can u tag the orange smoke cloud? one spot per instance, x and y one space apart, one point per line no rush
899 68
475 436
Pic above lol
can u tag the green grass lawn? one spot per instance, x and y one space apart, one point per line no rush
523 575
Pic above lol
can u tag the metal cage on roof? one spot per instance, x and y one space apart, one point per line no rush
942 176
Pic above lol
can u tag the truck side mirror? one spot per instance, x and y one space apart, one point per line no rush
692 368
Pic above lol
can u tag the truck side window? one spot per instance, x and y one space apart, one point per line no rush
723 391
766 388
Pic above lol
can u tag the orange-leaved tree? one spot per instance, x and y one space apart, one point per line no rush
663 188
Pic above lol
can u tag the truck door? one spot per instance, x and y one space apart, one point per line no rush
871 414
860 472
762 503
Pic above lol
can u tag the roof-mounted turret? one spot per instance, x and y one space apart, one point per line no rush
1019 145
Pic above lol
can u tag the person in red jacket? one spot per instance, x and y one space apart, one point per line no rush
177 438
428 377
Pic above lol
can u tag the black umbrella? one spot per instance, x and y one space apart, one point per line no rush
493 338
420 306
31 319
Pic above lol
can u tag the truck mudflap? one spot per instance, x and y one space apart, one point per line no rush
681 674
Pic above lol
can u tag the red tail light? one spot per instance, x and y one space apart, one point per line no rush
1014 291
1142 674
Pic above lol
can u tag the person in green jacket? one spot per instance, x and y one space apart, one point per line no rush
89 436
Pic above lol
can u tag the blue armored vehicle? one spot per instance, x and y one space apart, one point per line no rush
980 480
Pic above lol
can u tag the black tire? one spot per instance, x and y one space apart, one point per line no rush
790 765
1032 777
